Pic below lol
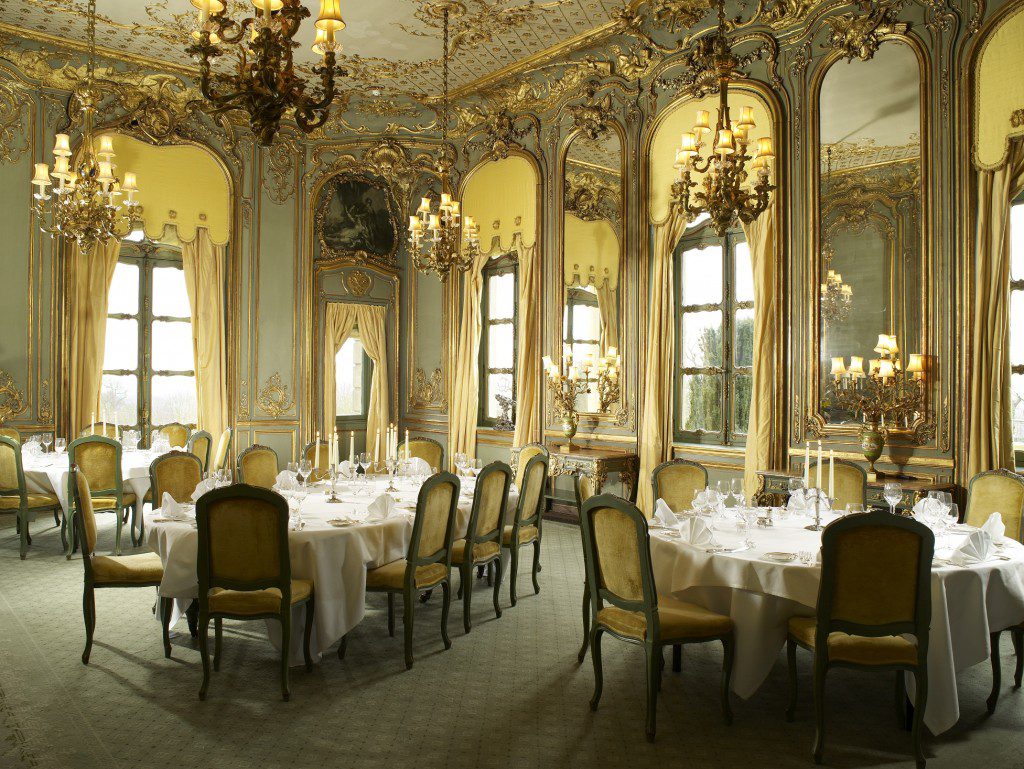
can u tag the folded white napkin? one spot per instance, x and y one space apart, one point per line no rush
705 499
283 481
796 500
345 467
995 526
380 508
418 466
202 487
975 549
927 507
696 532
664 516
169 508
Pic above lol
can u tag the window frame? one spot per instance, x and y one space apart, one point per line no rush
149 257
356 421
500 265
1015 286
728 372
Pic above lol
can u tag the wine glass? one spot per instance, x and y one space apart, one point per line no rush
736 489
60 445
892 493
47 441
305 469
476 466
365 462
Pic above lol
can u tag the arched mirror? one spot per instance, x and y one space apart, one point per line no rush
592 237
873 290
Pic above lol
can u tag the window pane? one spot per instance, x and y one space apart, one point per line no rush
174 399
702 339
348 389
169 294
741 402
499 346
501 293
124 290
744 289
1017 242
702 402
586 322
1017 407
702 275
172 346
743 345
119 398
497 384
1017 328
121 349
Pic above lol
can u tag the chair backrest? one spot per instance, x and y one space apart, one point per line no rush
220 456
319 455
434 526
200 443
490 497
617 556
176 473
99 460
851 483
106 429
10 432
427 449
584 488
177 434
85 517
243 540
997 491
257 466
12 476
531 490
876 577
677 481
526 453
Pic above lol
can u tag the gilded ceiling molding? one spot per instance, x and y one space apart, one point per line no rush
594 116
699 77
678 14
502 135
858 36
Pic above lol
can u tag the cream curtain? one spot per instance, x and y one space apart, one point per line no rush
528 387
760 235
659 362
91 273
990 437
462 413
608 306
205 265
339 320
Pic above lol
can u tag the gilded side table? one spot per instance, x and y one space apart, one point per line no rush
596 464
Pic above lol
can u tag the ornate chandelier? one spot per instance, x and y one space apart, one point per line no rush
443 242
264 83
726 168
84 206
836 296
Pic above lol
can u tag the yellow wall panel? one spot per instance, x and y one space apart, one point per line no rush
501 195
999 91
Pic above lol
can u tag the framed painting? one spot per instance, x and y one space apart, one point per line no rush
357 221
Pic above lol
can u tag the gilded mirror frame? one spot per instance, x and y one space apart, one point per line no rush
618 414
922 430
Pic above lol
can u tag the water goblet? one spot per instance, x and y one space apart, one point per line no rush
736 489
60 445
892 493
305 469
365 462
47 441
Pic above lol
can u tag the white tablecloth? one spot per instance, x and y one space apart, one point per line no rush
761 596
335 559
48 474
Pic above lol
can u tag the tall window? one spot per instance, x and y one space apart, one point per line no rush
352 372
149 377
581 338
715 315
1017 326
499 309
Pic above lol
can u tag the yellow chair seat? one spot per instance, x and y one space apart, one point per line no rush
678 620
481 552
858 650
256 601
34 500
107 503
141 568
391 576
526 534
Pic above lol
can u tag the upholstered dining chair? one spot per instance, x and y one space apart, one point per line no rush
99 460
862 619
199 443
12 433
107 429
245 571
525 528
851 483
482 545
428 562
14 493
177 434
139 570
257 466
220 456
176 473
427 449
583 486
319 455
526 453
624 600
677 481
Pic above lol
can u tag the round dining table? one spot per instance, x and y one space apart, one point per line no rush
761 594
48 473
336 544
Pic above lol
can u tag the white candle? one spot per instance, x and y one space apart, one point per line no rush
807 465
352 447
831 474
376 448
407 444
817 483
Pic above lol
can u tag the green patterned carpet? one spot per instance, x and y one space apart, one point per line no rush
510 694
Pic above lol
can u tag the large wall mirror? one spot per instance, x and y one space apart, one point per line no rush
592 237
872 263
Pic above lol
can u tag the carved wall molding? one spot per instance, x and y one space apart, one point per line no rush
282 157
273 399
428 391
358 282
859 35
12 400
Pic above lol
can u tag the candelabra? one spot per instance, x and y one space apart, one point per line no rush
608 369
566 384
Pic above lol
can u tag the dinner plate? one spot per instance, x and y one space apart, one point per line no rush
780 557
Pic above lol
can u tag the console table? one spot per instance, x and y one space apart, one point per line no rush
596 464
773 489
